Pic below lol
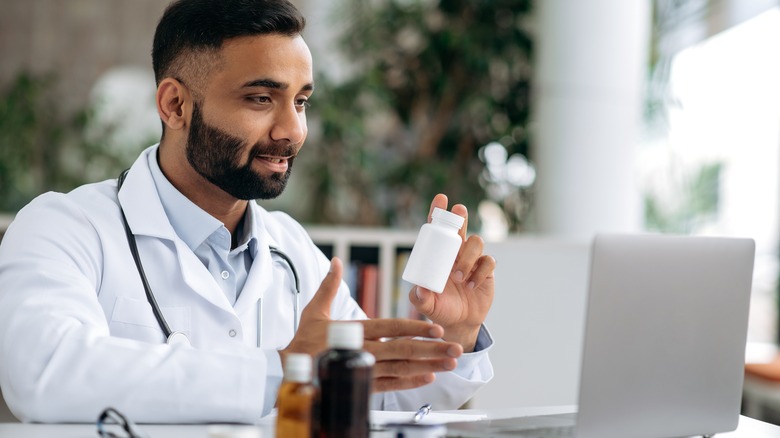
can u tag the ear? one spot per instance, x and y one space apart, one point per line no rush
174 103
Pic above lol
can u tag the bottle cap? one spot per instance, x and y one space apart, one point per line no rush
345 335
447 217
297 367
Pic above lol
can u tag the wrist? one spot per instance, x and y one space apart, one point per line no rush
466 336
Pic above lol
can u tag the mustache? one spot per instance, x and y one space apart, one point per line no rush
276 149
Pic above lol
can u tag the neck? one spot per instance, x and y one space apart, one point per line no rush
213 200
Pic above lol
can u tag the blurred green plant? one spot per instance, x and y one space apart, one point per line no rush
431 83
691 201
42 148
694 206
670 19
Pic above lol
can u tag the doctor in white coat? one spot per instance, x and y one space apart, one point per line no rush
78 330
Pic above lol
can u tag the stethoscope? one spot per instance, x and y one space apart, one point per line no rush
179 338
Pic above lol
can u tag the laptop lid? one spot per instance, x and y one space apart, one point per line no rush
665 334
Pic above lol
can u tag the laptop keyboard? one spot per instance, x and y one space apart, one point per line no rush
545 432
547 426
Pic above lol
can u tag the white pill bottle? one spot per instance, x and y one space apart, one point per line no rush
434 251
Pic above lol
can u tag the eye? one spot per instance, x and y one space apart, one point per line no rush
259 99
302 103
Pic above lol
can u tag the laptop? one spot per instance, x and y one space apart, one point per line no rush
664 342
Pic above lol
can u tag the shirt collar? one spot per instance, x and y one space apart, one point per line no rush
192 224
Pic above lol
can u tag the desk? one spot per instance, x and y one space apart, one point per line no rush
748 427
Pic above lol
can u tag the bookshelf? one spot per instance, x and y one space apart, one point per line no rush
381 247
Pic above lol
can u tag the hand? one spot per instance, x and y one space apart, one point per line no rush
401 362
312 335
463 305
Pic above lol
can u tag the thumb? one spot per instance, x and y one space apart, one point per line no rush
422 299
329 287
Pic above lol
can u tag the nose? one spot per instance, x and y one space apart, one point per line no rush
289 125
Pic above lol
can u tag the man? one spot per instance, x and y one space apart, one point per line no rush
78 331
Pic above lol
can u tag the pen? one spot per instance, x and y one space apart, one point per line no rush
422 412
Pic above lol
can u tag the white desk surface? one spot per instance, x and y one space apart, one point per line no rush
748 427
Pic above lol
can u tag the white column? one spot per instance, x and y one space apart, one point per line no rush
591 63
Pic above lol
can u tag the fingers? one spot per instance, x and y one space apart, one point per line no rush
461 210
408 363
404 349
311 335
323 298
440 201
485 267
396 327
406 373
382 384
423 299
472 267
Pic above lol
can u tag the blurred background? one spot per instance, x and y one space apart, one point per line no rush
545 118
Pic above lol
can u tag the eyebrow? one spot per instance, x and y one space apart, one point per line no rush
270 83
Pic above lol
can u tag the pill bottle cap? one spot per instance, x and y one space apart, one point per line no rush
297 367
447 217
345 335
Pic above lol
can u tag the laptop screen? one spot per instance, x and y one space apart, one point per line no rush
665 335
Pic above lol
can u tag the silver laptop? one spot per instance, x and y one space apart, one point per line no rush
664 347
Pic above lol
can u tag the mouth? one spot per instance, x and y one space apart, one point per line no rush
275 163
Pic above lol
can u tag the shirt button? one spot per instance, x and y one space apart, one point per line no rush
232 333
225 275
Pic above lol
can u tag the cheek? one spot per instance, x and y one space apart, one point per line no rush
249 127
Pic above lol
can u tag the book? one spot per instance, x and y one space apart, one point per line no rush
351 278
368 289
402 308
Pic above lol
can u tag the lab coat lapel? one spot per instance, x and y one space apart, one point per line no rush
198 278
145 215
141 203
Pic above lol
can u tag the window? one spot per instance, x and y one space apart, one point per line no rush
714 168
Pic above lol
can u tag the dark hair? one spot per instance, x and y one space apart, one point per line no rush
190 26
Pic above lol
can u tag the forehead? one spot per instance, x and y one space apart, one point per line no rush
282 58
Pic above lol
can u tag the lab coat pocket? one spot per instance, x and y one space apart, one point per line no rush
134 319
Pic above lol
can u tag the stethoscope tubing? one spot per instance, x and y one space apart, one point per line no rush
134 250
291 265
175 337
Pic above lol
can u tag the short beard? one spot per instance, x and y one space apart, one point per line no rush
215 155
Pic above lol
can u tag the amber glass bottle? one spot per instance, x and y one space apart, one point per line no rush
296 395
344 374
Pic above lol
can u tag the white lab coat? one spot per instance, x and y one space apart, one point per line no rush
77 333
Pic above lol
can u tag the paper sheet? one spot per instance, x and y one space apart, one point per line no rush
379 418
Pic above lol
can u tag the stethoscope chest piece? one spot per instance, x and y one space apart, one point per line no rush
178 338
